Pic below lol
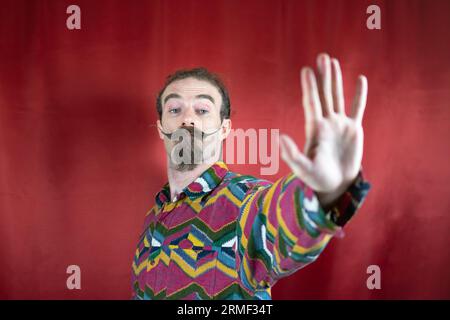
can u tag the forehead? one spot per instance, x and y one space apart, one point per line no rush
190 87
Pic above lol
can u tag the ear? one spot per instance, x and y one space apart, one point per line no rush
160 129
226 129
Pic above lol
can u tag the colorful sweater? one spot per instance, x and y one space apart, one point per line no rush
231 236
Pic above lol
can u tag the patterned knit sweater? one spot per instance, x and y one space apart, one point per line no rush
232 236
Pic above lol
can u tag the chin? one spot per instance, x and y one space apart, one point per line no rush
186 167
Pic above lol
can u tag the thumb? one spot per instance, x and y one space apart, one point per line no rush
297 161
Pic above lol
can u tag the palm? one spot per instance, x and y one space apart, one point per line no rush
334 141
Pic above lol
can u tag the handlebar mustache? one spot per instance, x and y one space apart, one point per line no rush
193 131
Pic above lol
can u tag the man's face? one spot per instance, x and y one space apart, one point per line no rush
186 105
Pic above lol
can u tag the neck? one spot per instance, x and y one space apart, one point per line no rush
178 180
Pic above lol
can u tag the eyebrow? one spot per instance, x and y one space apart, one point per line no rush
205 96
199 96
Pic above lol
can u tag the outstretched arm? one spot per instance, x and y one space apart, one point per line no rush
284 226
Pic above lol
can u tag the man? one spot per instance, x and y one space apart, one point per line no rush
216 234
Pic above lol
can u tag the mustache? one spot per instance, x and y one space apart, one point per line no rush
193 131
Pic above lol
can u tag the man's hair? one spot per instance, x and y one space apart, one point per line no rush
199 74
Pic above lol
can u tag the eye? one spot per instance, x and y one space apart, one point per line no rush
174 110
202 111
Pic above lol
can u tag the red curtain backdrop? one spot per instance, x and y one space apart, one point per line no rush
80 159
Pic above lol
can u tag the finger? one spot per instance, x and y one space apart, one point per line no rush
325 92
313 95
307 105
338 89
359 102
299 164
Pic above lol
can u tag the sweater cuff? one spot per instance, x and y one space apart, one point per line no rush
350 201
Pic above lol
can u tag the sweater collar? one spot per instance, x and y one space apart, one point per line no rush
204 184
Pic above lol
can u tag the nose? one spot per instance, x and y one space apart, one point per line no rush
189 118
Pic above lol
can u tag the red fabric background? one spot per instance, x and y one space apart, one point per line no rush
80 163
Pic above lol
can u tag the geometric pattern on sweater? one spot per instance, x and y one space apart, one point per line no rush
232 236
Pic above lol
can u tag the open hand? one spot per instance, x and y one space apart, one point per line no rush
333 150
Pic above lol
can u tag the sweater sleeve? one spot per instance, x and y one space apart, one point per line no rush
282 227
